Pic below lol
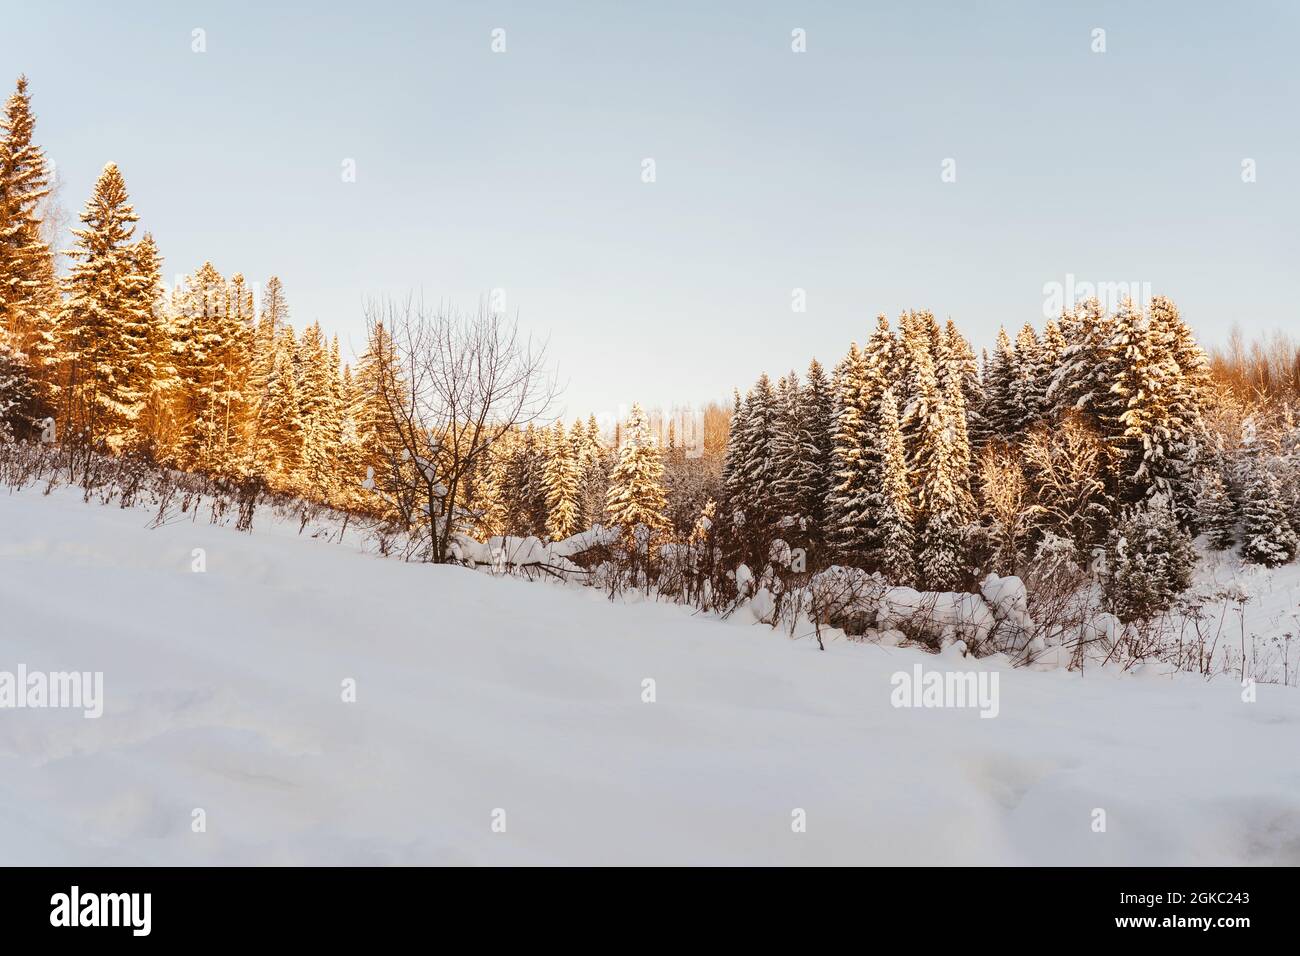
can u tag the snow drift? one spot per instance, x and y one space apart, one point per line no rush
477 694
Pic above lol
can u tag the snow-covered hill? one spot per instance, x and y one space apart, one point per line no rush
223 692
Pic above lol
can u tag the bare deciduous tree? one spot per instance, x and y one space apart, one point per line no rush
452 384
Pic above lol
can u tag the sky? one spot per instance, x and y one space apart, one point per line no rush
956 157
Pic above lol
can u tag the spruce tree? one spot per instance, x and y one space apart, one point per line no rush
1149 561
961 359
594 468
1267 537
529 487
1218 514
17 393
942 479
751 474
281 435
636 494
851 472
923 420
1029 385
861 380
1186 389
321 415
793 457
999 416
1088 369
150 331
1141 386
213 354
28 289
895 556
103 323
818 465
562 480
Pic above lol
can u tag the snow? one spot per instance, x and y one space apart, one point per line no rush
477 692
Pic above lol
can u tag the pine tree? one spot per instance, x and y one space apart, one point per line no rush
961 361
321 415
1144 371
1087 369
275 309
212 345
17 393
594 468
1266 533
281 440
999 414
817 466
150 334
1149 561
1218 514
562 480
1029 384
922 420
528 485
28 288
379 386
636 494
751 475
1052 351
957 417
794 456
1185 393
941 474
103 329
852 473
897 540
861 380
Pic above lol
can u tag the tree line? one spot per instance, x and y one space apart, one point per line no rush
1107 439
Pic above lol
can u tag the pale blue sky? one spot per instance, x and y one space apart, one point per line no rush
775 170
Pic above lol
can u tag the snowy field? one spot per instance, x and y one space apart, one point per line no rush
223 692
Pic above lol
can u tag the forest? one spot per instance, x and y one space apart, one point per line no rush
1106 447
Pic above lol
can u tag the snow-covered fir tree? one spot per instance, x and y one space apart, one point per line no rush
852 448
321 416
593 464
961 361
281 435
636 494
1143 370
1028 382
28 288
818 466
562 480
751 478
17 393
1185 392
1218 513
941 473
1149 561
1267 537
155 427
1087 368
794 460
102 327
211 348
999 412
895 553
